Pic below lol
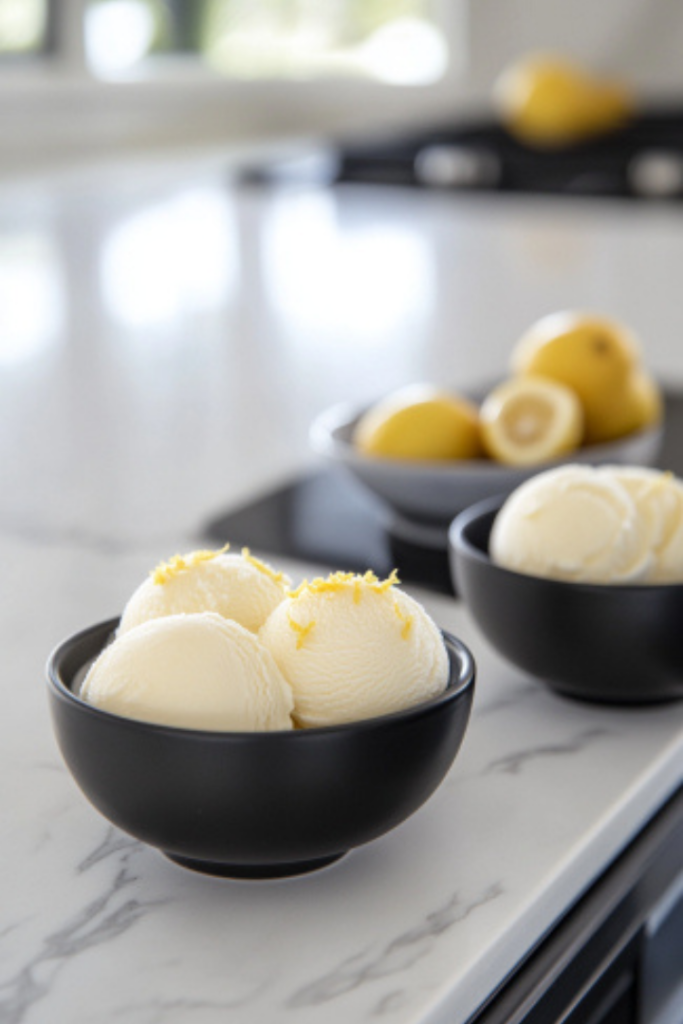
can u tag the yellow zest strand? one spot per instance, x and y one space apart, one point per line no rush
386 584
166 571
338 581
406 619
276 577
301 631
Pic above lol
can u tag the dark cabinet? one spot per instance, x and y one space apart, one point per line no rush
617 955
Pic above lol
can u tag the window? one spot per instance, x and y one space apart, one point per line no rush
96 76
398 41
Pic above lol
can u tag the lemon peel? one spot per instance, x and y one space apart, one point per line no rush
276 577
301 631
166 571
339 581
406 620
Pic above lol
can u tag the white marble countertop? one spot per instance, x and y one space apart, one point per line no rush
164 343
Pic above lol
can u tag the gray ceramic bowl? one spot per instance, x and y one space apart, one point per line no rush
619 644
255 805
439 490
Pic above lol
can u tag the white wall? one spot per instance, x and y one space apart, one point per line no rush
639 39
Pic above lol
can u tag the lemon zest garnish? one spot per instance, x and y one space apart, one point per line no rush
334 582
338 581
301 631
387 583
276 577
166 571
406 619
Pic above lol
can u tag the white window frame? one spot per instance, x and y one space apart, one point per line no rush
56 110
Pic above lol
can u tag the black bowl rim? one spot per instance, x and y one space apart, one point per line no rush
459 543
461 661
324 434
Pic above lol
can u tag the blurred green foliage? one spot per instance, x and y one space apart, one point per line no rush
266 27
23 26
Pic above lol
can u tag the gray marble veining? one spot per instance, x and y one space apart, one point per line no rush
399 956
514 763
103 919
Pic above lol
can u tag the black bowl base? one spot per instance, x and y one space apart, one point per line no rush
254 871
617 700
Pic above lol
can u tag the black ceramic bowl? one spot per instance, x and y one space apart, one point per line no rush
616 644
255 805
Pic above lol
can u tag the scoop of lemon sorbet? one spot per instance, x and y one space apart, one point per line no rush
354 647
198 671
236 586
574 523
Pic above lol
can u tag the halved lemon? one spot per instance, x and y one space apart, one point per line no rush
528 420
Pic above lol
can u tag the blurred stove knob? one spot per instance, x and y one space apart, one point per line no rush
656 174
446 166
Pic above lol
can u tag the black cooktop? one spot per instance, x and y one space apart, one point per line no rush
327 517
642 160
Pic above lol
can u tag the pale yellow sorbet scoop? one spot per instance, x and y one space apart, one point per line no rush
236 586
353 647
573 523
197 671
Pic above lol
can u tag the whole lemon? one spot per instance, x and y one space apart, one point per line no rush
648 399
420 422
636 406
595 356
547 100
